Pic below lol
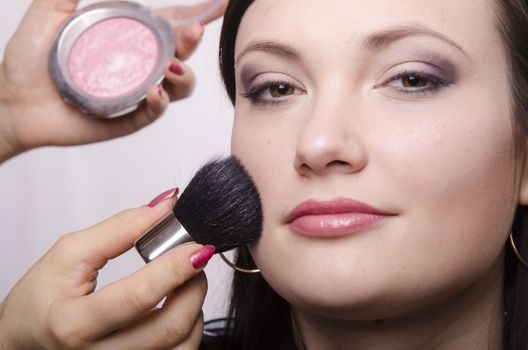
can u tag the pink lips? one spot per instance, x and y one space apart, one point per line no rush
333 218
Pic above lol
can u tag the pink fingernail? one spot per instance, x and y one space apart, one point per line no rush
202 256
177 68
164 196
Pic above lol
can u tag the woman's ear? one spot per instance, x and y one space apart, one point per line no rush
523 186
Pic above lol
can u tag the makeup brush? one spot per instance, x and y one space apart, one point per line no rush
220 206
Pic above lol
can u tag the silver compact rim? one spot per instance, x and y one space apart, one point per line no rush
77 25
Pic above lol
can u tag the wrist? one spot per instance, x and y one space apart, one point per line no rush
8 145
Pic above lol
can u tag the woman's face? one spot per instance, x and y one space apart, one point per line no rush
402 106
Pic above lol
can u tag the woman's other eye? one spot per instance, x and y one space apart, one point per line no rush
271 92
416 83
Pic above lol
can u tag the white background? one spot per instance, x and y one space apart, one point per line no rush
47 192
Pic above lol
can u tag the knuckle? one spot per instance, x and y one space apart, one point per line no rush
140 298
66 335
178 329
152 114
65 243
183 87
143 117
122 218
121 222
174 267
191 84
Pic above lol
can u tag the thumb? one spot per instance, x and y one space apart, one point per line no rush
29 47
44 17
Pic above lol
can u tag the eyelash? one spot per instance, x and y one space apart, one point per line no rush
435 82
255 92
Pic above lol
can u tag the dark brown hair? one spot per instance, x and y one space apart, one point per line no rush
259 319
512 20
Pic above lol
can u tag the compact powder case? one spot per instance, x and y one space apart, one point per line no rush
108 54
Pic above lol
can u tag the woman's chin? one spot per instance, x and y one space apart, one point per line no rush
325 296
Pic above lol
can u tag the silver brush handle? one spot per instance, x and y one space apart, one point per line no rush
169 233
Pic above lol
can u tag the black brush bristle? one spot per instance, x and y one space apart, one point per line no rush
221 206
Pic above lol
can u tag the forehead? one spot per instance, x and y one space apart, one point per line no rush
328 26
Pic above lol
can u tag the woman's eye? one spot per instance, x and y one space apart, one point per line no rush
415 83
271 92
280 90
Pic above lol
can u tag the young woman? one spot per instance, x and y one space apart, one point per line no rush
387 140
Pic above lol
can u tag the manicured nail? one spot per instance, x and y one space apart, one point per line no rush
177 68
164 196
160 91
202 256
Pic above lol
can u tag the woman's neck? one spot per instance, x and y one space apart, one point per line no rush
471 319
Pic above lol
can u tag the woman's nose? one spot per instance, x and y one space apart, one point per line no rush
330 142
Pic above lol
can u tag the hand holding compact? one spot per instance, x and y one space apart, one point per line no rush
55 305
33 114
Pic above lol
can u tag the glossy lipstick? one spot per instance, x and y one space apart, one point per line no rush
337 217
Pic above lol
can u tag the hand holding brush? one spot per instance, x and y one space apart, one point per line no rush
56 305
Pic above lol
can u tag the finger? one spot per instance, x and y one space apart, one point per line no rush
181 14
188 38
67 6
217 13
120 302
189 35
180 80
114 236
173 324
195 338
156 103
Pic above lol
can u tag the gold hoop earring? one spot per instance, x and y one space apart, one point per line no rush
517 253
234 267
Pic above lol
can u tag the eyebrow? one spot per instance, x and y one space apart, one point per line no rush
373 42
271 47
385 38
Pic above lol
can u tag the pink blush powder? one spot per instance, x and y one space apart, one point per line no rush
113 57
